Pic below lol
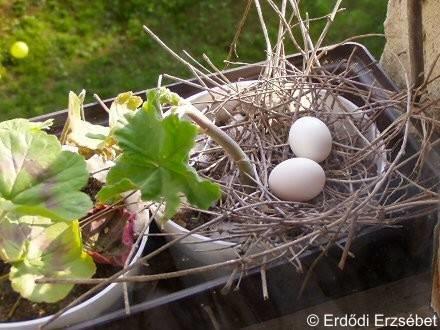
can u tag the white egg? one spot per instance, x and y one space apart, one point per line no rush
297 179
309 137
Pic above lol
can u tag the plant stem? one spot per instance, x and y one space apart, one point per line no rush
13 308
247 172
268 67
233 45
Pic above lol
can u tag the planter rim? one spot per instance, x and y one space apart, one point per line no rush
171 223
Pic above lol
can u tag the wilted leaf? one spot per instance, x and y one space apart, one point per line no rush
124 104
110 238
82 133
52 251
38 178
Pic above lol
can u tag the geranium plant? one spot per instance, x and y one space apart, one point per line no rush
40 202
155 155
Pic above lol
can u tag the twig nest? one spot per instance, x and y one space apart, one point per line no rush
305 101
309 137
221 104
259 120
297 179
287 95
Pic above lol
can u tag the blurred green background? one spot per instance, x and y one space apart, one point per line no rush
99 45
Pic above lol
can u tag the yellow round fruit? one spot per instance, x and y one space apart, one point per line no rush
19 49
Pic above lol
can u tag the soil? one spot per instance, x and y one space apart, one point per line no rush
28 310
92 188
190 219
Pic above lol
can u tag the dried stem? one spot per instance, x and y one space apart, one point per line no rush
225 141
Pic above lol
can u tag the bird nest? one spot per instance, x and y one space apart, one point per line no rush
372 178
364 178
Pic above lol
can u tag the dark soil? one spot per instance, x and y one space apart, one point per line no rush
190 219
92 188
28 310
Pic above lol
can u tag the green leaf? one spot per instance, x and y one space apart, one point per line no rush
166 96
155 161
158 97
52 251
38 178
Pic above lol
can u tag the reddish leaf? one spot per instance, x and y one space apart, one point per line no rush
110 237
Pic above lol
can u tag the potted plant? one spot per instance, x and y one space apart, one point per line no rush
246 173
51 226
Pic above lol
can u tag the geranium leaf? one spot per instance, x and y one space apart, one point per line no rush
15 231
38 178
24 124
155 159
52 251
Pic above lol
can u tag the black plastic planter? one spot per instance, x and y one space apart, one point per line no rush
383 255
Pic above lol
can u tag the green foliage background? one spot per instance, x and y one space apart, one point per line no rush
99 45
